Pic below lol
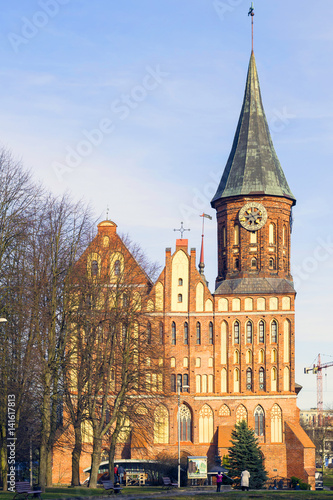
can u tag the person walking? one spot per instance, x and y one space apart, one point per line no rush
245 479
115 474
219 479
121 472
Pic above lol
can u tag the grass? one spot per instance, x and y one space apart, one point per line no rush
148 493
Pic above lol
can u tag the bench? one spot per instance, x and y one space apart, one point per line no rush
24 488
111 487
167 483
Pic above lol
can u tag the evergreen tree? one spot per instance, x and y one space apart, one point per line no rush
245 454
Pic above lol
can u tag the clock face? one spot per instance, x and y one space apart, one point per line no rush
252 216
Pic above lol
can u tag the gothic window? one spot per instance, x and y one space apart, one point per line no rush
173 383
236 332
274 332
249 356
276 424
180 282
272 263
94 268
273 379
185 420
261 356
161 425
211 333
179 382
261 379
117 267
149 333
224 411
254 263
173 333
198 333
236 234
236 380
180 297
186 333
161 332
249 379
241 414
249 332
274 356
236 357
206 424
259 421
186 384
261 332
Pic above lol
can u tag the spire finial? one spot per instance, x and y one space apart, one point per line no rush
251 13
202 263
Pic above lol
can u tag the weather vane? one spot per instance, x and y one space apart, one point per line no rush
251 13
182 230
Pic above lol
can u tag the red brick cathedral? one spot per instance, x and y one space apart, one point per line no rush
232 352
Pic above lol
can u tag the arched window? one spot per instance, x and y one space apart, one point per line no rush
206 424
173 333
271 234
236 263
117 267
161 425
161 332
261 379
173 383
180 282
241 413
197 362
271 263
236 332
249 356
236 234
259 421
94 268
276 424
211 333
274 356
236 380
185 420
261 332
149 333
249 379
179 382
236 357
261 356
186 333
172 362
198 333
186 385
185 363
254 263
274 332
249 332
204 385
274 379
180 297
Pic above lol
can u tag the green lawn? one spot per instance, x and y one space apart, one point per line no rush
149 492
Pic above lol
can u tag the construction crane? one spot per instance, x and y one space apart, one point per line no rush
318 370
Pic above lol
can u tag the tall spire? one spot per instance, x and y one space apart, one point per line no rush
253 166
202 260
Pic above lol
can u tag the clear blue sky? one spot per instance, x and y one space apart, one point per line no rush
163 81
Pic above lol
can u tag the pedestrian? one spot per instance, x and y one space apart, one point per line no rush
219 478
116 474
121 472
245 478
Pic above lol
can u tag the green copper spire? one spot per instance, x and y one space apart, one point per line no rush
253 167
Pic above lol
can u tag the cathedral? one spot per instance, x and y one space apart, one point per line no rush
230 353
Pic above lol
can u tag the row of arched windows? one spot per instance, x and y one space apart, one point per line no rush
206 422
250 383
185 333
261 332
254 235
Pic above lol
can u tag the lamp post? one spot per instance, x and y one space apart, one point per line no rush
178 391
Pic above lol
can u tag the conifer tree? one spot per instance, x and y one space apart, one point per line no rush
245 454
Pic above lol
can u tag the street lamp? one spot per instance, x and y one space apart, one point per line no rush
178 391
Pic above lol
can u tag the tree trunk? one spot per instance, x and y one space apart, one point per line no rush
3 457
95 461
76 454
45 433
